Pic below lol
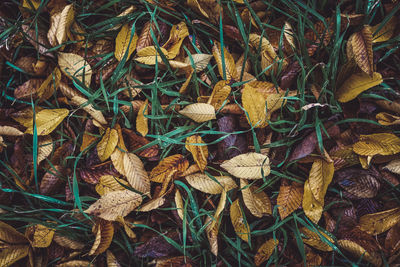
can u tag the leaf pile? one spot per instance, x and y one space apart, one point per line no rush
199 133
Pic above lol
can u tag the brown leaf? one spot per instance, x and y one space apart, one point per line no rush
360 45
51 181
289 199
166 166
104 232
136 142
199 153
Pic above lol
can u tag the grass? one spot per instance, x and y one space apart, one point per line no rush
169 130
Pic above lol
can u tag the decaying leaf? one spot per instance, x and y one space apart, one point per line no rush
377 223
393 166
15 245
46 121
265 251
359 46
125 43
311 206
109 183
316 239
199 112
199 153
239 222
114 204
60 25
104 232
214 223
42 236
141 119
385 33
358 251
206 184
177 34
219 94
255 199
166 166
289 199
248 166
112 260
255 105
226 64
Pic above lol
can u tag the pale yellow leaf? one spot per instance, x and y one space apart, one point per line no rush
255 200
107 144
149 55
177 34
248 166
73 65
114 204
393 166
135 173
112 260
176 164
10 131
199 112
109 183
47 121
204 183
47 88
230 67
219 94
104 231
141 119
200 61
377 223
289 199
65 242
356 84
8 256
239 223
320 177
359 47
125 43
214 223
179 204
64 23
86 106
358 251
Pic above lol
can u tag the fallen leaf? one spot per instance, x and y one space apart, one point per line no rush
248 166
141 119
107 144
169 164
289 199
255 200
125 43
314 239
385 33
104 231
228 72
265 251
46 121
109 183
74 66
239 223
199 112
356 84
377 144
199 153
359 46
377 223
215 185
42 236
358 251
255 105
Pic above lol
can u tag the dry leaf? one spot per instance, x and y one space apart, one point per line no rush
65 242
47 88
179 204
199 153
60 25
114 204
219 94
265 251
199 112
45 147
149 55
356 84
200 61
255 200
135 173
387 119
47 121
83 102
214 223
175 163
141 119
248 166
385 33
311 206
107 144
229 73
204 183
8 256
178 33
360 47
104 231
75 263
109 183
42 236
239 223
112 260
314 239
10 131
74 66
377 144
358 251
320 177
289 199
125 43
254 104
393 166
377 223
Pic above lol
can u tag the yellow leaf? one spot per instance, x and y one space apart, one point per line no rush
104 231
45 147
248 166
377 223
199 153
205 184
320 177
386 119
42 236
8 256
125 43
27 4
312 207
219 94
10 236
377 144
112 260
360 47
386 32
109 183
149 55
74 66
289 199
141 119
199 112
255 200
239 223
114 204
175 163
153 204
230 67
358 251
178 33
75 263
60 25
83 102
310 237
265 251
214 223
107 144
184 86
10 131
47 121
51 83
135 173
254 103
356 84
